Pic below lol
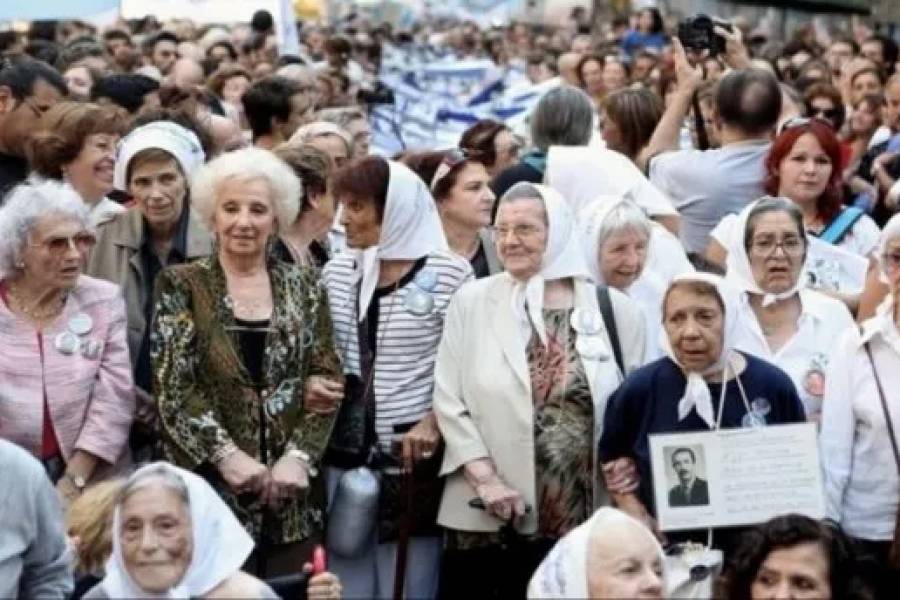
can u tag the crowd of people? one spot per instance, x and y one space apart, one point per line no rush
246 354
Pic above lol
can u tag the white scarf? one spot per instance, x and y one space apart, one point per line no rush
696 392
740 273
563 573
220 544
181 143
410 229
563 258
891 230
591 219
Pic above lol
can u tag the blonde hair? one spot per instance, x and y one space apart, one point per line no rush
90 519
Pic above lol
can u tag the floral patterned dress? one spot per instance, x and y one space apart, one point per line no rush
563 435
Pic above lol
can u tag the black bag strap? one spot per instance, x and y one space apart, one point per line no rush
884 407
609 319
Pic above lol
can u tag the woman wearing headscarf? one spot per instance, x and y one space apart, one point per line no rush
389 294
154 165
588 561
860 421
174 537
703 383
524 372
618 238
781 320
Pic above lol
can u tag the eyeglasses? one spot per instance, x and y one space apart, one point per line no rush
765 247
891 260
520 232
59 245
794 122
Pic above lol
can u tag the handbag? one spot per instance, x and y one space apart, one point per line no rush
894 553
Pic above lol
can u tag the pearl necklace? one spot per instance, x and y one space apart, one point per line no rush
33 312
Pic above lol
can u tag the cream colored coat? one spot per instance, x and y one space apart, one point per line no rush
483 400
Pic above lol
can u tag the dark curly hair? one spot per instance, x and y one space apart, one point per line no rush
787 531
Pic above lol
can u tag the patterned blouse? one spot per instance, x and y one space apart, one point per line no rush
207 399
563 435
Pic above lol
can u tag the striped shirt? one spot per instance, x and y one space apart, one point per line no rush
405 342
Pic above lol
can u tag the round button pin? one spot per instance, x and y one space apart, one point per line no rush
81 324
67 343
426 279
418 302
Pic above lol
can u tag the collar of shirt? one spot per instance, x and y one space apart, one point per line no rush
811 313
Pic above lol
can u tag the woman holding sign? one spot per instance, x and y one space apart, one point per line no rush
861 420
702 384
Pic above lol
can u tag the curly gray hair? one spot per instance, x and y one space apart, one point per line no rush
25 206
248 164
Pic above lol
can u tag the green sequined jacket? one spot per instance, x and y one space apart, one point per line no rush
206 397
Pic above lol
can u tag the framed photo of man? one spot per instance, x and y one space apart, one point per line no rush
735 477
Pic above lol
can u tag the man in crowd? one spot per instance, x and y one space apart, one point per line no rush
161 51
275 108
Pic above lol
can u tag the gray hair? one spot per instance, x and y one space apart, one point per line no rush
341 116
25 206
248 164
318 129
158 472
768 204
524 191
624 216
563 117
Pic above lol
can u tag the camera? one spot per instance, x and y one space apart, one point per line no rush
696 33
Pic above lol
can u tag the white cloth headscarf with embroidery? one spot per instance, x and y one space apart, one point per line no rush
221 545
696 393
563 573
563 258
410 229
738 269
181 143
591 219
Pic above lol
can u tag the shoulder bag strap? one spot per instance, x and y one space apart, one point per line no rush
841 225
609 319
884 407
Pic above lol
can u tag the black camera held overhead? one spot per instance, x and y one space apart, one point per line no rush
696 33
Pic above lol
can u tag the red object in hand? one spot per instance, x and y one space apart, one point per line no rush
319 563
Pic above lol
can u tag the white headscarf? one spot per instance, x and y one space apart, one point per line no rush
311 131
891 230
563 257
563 573
696 392
220 544
410 229
165 135
591 220
738 269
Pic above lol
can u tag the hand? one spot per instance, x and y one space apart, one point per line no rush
244 474
322 396
289 476
67 491
420 442
323 586
621 476
736 55
688 77
500 500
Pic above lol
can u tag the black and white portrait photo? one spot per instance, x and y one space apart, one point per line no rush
688 485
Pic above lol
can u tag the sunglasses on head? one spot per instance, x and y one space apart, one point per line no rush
795 122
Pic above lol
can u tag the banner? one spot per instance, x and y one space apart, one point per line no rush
35 10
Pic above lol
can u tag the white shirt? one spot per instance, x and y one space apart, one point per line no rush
858 465
823 320
647 293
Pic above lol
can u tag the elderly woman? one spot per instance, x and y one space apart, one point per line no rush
305 242
617 240
155 163
524 371
67 394
781 320
860 425
76 143
611 555
245 374
174 537
327 137
703 383
353 120
793 556
389 293
459 184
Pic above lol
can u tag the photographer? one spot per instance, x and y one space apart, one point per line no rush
705 185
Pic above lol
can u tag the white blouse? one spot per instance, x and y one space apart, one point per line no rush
859 469
823 320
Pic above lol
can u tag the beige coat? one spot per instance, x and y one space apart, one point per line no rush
483 399
117 258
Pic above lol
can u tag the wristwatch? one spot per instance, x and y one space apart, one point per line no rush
77 481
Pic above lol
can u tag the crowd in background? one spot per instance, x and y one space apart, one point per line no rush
247 354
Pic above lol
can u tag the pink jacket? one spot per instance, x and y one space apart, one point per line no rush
91 398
